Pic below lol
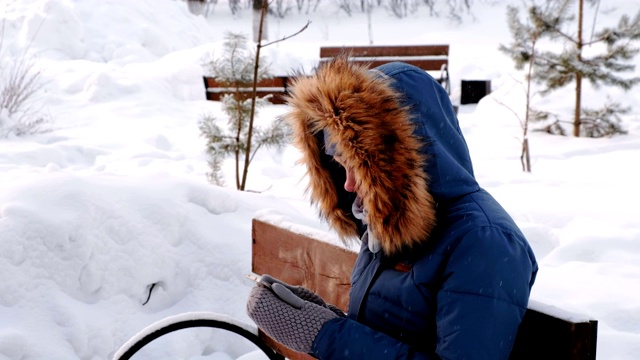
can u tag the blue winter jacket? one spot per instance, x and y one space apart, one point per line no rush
452 281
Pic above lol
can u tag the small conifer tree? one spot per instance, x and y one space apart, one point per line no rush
558 69
523 50
235 70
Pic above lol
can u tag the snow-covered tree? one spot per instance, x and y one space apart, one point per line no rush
523 50
557 69
234 67
235 70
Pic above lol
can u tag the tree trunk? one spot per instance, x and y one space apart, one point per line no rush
256 65
238 96
578 110
257 19
369 10
525 157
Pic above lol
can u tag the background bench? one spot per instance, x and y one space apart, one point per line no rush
276 87
431 58
326 269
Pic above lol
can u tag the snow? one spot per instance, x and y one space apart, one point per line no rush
558 312
113 199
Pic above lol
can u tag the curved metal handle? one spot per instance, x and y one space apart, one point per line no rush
191 320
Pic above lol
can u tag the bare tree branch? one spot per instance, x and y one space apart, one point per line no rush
290 36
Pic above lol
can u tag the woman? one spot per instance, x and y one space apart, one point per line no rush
443 271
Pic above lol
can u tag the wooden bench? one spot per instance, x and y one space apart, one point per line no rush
276 87
326 268
431 58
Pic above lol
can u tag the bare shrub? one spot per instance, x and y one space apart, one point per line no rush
196 7
281 9
345 5
19 82
235 6
398 8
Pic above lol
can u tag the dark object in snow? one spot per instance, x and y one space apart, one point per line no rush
473 90
554 335
149 296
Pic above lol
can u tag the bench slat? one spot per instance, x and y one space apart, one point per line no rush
375 51
279 81
245 90
427 64
276 86
542 336
276 97
301 260
426 57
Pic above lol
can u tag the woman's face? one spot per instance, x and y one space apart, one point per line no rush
350 183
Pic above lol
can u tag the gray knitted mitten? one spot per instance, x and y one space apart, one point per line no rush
301 292
285 317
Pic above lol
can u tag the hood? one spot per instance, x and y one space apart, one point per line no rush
394 126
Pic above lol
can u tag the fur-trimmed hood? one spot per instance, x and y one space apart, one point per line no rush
395 127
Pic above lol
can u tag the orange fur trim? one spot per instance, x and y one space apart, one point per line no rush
374 135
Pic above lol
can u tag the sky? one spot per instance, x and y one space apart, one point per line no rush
112 197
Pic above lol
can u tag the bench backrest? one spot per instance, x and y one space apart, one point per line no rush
326 269
426 57
433 58
276 87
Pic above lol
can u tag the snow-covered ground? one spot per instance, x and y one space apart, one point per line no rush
114 197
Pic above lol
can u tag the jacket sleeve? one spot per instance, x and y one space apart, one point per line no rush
343 338
483 297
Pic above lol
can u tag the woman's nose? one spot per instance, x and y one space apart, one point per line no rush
350 183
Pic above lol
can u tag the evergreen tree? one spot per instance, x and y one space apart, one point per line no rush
235 70
523 51
559 69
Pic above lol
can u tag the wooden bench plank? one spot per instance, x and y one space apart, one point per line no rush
376 51
427 57
426 64
276 86
279 82
326 269
542 336
276 98
301 260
